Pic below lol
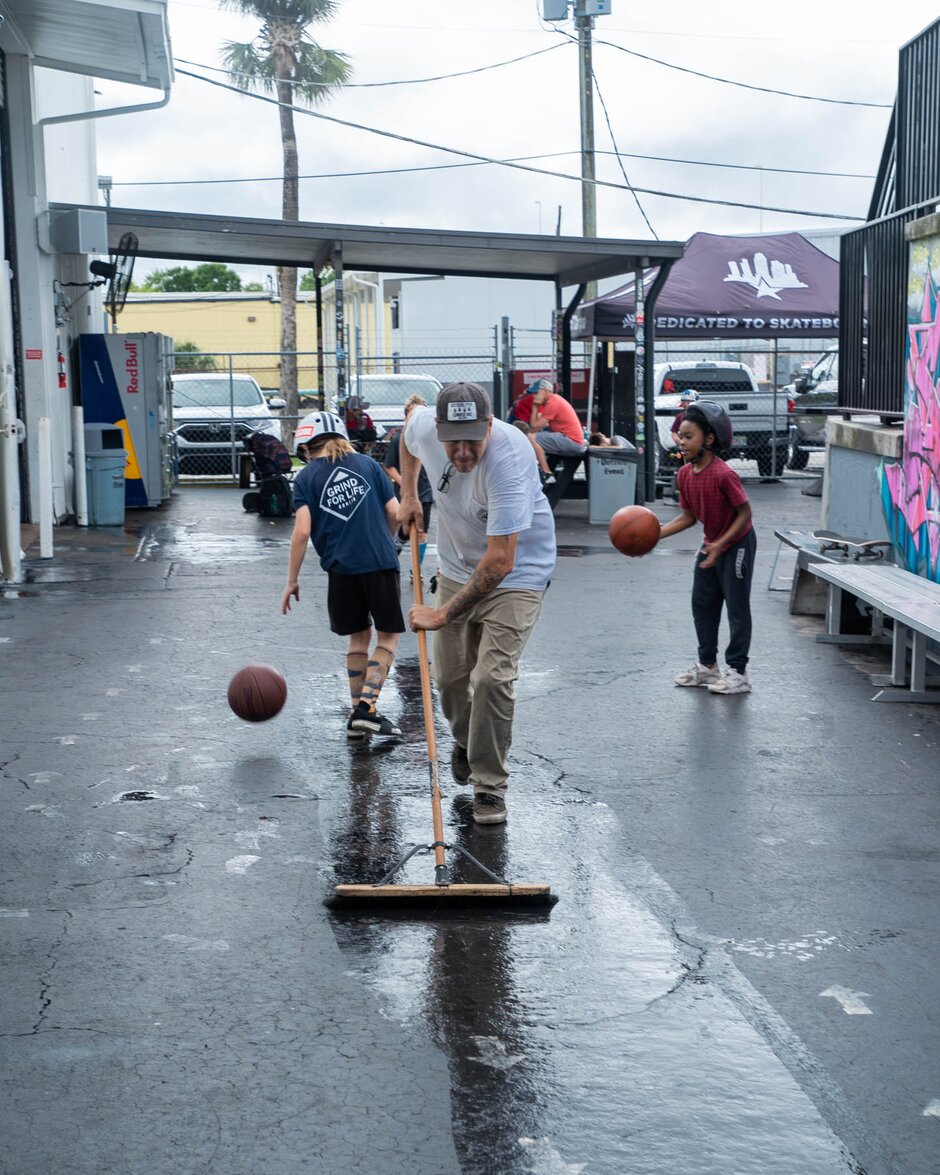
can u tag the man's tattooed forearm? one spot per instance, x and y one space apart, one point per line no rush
480 584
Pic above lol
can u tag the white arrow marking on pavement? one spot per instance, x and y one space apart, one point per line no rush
547 1160
492 1052
932 1109
851 1001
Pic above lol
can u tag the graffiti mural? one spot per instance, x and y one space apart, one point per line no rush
910 489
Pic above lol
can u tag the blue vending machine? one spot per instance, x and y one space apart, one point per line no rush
125 381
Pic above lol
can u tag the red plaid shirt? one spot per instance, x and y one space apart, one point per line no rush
712 496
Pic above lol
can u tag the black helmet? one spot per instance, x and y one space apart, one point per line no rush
713 418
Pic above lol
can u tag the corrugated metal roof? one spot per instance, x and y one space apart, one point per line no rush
123 40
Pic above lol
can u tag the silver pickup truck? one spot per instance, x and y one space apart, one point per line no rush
759 419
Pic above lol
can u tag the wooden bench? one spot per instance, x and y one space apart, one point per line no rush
910 602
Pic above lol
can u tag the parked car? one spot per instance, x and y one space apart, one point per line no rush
214 413
760 423
386 394
816 390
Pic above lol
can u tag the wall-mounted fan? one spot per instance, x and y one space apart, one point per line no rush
119 282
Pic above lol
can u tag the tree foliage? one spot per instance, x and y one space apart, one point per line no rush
285 59
211 277
192 358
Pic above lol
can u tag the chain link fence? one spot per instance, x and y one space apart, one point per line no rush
220 399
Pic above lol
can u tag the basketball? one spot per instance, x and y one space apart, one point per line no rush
634 530
257 692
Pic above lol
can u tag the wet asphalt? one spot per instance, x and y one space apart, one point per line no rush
740 975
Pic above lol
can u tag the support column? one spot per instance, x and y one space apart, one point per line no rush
34 297
340 312
321 379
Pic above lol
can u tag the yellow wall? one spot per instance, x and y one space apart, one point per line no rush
223 327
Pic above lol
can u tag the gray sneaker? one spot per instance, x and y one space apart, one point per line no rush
459 764
483 806
488 808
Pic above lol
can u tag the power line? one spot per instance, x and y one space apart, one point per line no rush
330 175
742 85
443 77
623 170
503 163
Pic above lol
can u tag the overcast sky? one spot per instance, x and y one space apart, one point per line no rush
841 49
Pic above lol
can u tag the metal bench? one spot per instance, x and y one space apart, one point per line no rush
564 469
911 603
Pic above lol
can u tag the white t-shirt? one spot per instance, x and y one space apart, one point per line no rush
502 494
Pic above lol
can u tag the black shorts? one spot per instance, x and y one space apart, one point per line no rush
357 602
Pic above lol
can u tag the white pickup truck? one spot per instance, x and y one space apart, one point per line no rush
759 419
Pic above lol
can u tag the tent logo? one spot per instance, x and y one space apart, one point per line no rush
763 276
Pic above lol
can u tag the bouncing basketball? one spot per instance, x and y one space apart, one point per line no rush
257 692
634 530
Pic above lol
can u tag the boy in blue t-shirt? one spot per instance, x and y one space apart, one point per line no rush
346 506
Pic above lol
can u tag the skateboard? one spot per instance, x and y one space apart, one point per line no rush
856 548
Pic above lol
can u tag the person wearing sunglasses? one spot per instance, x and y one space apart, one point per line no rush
496 546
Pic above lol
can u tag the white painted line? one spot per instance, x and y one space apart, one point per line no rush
240 864
5 913
932 1109
546 1160
851 1001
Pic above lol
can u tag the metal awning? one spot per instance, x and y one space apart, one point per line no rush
122 40
186 236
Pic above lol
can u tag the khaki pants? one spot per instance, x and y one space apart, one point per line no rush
476 666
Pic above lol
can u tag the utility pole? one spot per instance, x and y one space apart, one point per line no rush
584 13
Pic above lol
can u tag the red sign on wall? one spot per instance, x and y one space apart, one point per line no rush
521 381
34 353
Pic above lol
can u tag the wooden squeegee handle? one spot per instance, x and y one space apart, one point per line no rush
428 706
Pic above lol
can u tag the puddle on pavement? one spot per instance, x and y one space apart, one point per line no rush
589 1036
203 548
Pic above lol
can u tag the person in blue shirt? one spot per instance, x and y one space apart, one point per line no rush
346 507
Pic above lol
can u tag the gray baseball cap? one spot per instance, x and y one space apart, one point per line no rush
463 412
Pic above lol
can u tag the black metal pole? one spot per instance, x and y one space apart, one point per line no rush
321 386
566 341
648 391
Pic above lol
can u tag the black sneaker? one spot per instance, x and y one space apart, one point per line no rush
367 720
352 733
459 764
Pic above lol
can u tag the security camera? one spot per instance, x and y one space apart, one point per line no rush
103 269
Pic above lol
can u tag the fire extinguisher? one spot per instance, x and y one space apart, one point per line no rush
63 374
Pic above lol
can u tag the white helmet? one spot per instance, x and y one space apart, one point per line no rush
319 424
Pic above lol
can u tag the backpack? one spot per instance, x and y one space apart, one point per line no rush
275 498
270 454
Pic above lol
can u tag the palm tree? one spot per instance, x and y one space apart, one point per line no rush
286 60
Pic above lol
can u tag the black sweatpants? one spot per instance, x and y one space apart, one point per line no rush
728 583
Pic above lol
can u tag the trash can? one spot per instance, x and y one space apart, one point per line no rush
611 482
105 458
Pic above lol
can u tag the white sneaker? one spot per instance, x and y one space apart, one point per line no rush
699 674
731 682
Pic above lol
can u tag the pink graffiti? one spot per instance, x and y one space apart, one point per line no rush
914 484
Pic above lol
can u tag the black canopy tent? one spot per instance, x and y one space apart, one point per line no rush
772 286
754 287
